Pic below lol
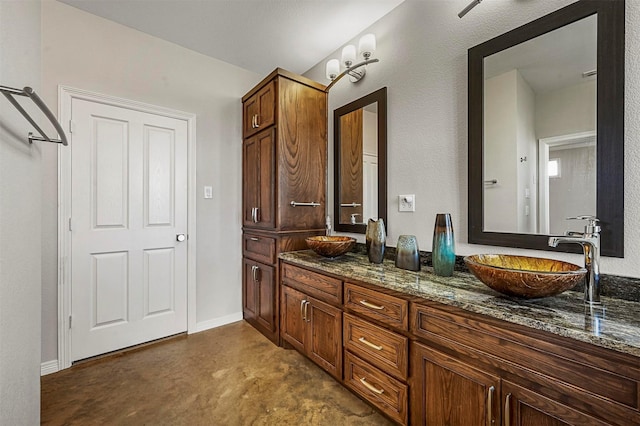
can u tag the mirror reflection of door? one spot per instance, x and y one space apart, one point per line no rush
567 165
351 186
542 89
359 165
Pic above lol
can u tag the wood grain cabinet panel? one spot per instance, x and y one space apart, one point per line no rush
390 310
380 347
259 111
523 407
390 395
314 328
258 183
317 285
284 154
260 248
449 392
259 301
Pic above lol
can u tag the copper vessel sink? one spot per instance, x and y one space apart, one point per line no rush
523 276
332 246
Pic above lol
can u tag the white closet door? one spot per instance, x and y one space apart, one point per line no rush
129 203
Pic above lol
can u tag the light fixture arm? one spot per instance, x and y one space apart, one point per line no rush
349 71
471 5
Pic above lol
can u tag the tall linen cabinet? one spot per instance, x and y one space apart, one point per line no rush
284 163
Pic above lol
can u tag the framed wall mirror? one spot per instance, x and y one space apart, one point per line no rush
546 129
360 167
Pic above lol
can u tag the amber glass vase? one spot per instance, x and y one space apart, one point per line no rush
375 240
443 253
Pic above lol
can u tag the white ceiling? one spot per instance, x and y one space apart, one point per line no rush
257 35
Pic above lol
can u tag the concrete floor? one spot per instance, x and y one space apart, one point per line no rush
230 375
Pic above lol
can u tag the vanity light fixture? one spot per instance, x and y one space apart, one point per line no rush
366 46
466 10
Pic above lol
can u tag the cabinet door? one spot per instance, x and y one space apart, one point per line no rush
292 324
266 295
324 346
449 392
523 407
258 181
259 110
249 291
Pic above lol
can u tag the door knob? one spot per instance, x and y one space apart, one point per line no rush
180 237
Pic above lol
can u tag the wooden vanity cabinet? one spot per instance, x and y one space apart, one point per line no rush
284 152
377 354
539 378
426 363
446 391
258 296
312 326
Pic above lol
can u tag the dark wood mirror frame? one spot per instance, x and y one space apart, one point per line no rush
379 96
610 125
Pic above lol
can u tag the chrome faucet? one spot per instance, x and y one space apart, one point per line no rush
590 242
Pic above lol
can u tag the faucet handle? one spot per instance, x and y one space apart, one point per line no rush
592 226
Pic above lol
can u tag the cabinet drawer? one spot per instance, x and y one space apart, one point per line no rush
262 249
319 286
382 348
383 391
382 307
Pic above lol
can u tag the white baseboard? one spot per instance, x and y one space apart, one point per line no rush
49 367
217 322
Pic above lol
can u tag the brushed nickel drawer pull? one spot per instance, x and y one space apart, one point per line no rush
302 313
297 204
490 404
370 387
255 239
371 345
371 305
507 410
257 122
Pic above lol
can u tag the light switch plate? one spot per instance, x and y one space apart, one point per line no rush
407 203
208 192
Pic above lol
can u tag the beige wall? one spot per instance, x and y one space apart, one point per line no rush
422 46
20 211
566 111
86 52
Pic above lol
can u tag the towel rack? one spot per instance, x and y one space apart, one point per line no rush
28 92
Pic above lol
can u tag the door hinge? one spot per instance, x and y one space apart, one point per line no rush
70 322
72 126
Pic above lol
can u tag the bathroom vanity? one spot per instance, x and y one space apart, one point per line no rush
434 350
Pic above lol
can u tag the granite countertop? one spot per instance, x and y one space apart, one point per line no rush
563 315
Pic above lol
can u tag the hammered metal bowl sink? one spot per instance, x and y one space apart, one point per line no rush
523 276
332 246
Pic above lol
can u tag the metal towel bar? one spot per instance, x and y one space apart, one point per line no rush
28 92
354 204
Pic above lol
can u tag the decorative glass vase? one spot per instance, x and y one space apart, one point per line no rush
407 253
443 253
376 238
